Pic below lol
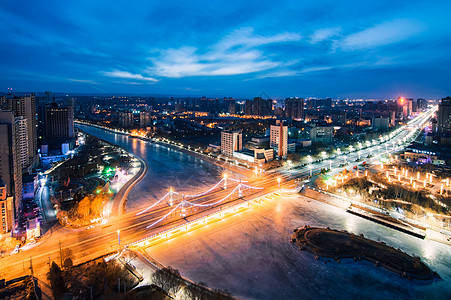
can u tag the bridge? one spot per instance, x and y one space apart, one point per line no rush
176 210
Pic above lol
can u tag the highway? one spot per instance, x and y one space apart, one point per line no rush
103 239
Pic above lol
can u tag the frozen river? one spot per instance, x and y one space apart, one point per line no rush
251 256
166 167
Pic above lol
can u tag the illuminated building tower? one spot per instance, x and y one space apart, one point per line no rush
294 108
444 117
403 106
278 138
24 107
59 121
258 107
126 119
22 140
231 141
145 119
10 164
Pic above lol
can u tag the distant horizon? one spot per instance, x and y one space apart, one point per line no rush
123 94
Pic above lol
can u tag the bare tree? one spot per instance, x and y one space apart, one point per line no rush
66 257
168 279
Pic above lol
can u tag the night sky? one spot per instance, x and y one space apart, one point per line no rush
357 49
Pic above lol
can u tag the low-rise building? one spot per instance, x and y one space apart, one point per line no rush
322 134
33 229
6 210
256 156
291 147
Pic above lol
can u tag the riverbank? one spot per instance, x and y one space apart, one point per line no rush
405 226
120 199
328 243
217 162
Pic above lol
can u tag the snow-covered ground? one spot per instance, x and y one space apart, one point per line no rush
251 256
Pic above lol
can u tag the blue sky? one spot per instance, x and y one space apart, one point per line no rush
360 49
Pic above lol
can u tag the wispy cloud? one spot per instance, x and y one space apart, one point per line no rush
324 34
234 54
288 73
381 35
83 80
245 37
128 75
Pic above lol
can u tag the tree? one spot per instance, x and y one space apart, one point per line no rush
168 279
192 292
67 257
56 280
84 206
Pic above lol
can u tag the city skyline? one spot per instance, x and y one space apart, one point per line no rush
371 50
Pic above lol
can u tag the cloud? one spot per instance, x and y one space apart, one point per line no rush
234 54
244 37
83 81
324 34
128 75
380 35
288 73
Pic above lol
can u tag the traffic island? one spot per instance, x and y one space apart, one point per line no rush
329 243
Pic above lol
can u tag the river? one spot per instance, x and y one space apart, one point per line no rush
250 254
166 168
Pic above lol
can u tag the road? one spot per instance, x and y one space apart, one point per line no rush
103 239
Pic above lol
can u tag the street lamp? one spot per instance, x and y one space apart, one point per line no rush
278 181
225 181
171 192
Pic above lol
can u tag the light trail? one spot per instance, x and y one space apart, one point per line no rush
153 205
163 217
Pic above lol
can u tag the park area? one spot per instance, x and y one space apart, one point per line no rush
87 182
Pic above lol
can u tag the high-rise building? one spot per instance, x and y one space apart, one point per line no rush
231 105
10 165
59 121
48 98
70 101
278 138
24 106
6 210
231 141
444 117
126 119
421 104
294 108
258 107
145 119
22 140
409 106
